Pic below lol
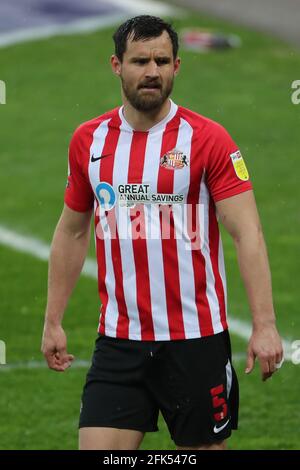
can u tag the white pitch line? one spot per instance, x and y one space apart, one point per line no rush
41 250
79 364
38 249
146 7
88 25
45 32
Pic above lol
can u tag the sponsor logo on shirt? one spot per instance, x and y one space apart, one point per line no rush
239 166
174 160
106 196
139 193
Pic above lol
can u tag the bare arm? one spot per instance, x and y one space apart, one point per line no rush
68 251
240 218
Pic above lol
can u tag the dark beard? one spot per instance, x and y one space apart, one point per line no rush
147 103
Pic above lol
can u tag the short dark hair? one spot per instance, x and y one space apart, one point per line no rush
143 27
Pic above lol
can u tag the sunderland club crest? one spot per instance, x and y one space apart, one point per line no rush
174 160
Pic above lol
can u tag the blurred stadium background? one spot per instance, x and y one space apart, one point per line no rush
57 77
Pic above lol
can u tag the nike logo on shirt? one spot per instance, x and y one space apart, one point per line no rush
93 159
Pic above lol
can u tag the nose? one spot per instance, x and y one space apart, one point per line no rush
152 69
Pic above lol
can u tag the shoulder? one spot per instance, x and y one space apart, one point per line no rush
203 126
86 129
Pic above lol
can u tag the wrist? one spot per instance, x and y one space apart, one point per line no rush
52 322
259 323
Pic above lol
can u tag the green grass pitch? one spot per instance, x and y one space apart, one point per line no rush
52 86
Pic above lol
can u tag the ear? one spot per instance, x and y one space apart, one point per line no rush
115 65
177 64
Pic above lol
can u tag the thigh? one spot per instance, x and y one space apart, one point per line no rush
197 390
101 438
214 446
114 395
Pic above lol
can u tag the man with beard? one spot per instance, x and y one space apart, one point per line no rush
163 342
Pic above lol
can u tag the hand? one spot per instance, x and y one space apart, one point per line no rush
265 344
54 348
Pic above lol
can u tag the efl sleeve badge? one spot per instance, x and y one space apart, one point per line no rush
239 165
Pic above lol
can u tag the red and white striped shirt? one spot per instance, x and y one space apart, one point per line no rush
160 261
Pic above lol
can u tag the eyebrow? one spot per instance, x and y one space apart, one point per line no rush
146 59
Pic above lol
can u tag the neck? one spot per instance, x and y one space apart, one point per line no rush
143 121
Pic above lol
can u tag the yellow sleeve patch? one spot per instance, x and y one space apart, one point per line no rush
239 165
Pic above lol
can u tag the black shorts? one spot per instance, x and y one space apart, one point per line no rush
192 383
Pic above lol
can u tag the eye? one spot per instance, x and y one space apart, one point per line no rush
163 61
140 61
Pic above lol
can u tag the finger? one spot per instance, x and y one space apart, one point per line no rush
53 363
63 357
61 353
250 362
279 364
279 357
62 364
50 358
67 357
58 368
265 369
266 376
65 362
272 365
